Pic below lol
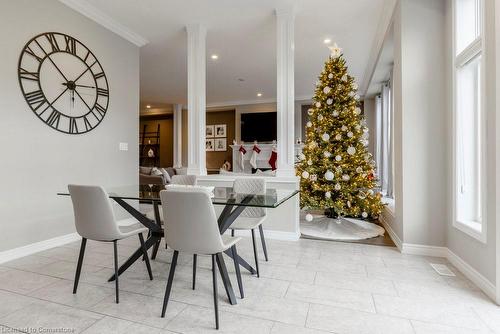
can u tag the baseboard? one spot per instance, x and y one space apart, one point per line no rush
476 277
36 247
270 234
424 250
392 234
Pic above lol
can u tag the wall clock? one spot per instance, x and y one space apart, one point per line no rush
63 83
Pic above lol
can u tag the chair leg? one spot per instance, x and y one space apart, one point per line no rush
232 233
237 269
79 265
255 253
145 257
214 282
115 246
155 250
169 283
263 240
194 270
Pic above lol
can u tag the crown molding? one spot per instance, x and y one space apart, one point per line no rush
96 15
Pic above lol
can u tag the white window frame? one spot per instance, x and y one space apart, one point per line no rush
474 229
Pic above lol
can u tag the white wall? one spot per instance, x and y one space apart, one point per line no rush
421 137
37 161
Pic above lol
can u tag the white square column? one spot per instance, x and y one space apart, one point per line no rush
177 135
285 90
196 59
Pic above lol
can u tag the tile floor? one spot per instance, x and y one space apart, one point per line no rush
307 286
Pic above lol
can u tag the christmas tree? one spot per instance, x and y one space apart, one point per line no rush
335 167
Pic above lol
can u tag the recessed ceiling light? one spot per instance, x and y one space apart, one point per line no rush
148 106
327 41
241 79
259 94
215 57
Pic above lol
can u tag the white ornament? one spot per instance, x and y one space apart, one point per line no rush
351 150
325 137
344 77
343 128
305 174
348 204
320 117
329 175
330 76
338 137
302 156
358 127
313 177
309 112
338 158
329 101
326 90
328 194
364 214
346 177
357 111
318 104
350 134
359 170
354 85
356 97
327 154
309 217
338 187
362 195
309 162
335 113
309 124
370 192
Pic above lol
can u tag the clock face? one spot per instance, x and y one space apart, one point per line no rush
63 83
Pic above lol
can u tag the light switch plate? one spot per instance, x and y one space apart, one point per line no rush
123 146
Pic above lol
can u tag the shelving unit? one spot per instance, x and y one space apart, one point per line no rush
149 141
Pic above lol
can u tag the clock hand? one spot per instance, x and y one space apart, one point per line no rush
81 98
57 68
84 86
88 68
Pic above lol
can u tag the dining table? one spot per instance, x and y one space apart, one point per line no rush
233 204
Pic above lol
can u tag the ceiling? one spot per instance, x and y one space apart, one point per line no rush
243 34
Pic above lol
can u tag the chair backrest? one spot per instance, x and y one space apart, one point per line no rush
94 217
190 221
187 180
255 186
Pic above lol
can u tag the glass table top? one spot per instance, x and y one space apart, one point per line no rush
221 195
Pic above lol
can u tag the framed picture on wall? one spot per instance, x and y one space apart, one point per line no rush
209 144
209 131
220 130
220 144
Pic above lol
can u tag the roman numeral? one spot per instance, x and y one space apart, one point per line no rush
99 75
54 118
88 126
24 74
100 111
70 44
73 127
102 92
29 51
35 99
53 42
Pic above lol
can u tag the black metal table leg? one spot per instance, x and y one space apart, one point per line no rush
241 261
150 242
225 279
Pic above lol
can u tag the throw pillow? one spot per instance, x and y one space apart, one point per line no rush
145 170
166 176
156 172
170 171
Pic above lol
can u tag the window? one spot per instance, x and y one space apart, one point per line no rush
468 117
384 139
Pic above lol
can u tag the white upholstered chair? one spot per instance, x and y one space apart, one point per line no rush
191 227
95 220
252 217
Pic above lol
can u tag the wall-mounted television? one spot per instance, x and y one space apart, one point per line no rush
260 126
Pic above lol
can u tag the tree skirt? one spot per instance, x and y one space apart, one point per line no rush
330 229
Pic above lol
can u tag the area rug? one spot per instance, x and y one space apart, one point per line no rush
347 229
